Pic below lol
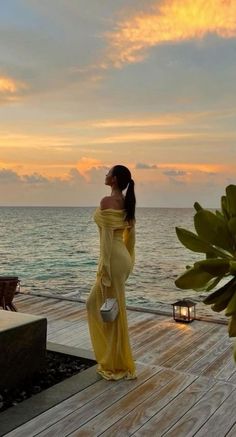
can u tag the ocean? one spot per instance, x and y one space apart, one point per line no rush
54 251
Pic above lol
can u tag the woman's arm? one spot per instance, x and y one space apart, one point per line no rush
106 235
105 255
129 240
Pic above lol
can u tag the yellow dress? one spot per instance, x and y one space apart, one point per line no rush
111 340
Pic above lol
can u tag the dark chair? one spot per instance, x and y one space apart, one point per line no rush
9 286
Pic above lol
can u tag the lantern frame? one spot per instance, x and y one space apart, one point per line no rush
184 311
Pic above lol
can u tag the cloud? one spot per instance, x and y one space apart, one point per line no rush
35 178
175 173
194 167
12 177
143 166
136 137
75 176
162 120
170 21
10 89
35 189
7 85
9 176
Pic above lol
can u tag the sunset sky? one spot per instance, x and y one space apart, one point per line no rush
86 84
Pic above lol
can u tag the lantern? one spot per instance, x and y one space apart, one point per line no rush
184 311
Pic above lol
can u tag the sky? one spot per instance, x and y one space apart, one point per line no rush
85 85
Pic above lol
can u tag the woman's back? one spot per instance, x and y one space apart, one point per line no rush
112 202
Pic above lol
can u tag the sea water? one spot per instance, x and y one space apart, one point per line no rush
54 251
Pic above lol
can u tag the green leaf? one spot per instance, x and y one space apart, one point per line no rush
194 279
231 199
209 286
232 226
211 255
213 297
213 283
232 326
232 268
216 267
220 215
212 229
197 206
231 308
193 242
224 207
222 301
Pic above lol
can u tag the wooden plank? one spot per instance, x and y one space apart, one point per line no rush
55 326
185 350
152 401
222 420
80 415
228 371
232 432
217 350
33 305
63 336
126 404
198 415
44 420
125 418
176 347
196 353
155 340
214 368
82 399
66 314
134 321
53 307
232 379
151 328
170 336
175 409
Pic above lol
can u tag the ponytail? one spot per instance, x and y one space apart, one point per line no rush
125 181
130 202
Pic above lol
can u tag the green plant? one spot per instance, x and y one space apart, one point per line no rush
216 238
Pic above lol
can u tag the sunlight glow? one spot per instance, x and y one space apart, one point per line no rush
7 85
10 86
170 21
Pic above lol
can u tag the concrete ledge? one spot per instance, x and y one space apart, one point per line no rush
37 404
22 347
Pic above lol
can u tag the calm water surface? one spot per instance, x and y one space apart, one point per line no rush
55 251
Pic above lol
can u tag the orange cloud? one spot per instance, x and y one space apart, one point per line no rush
170 21
113 123
187 167
193 167
10 88
85 164
164 120
138 137
7 85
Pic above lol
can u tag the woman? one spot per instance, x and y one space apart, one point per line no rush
115 219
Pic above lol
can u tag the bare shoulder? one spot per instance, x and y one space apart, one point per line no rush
106 202
110 202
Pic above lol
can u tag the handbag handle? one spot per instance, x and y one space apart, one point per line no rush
104 294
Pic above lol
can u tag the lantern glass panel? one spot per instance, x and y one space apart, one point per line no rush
184 311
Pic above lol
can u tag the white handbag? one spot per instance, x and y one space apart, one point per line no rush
109 310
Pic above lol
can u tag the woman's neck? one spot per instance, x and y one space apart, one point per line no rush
115 192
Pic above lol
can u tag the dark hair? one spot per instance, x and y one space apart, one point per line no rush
124 180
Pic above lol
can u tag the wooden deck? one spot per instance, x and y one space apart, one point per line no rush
186 383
